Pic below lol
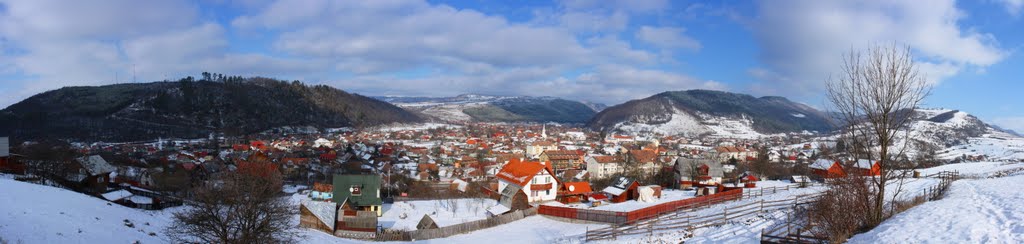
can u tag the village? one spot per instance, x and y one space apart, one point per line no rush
428 181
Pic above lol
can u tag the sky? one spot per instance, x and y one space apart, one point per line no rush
606 51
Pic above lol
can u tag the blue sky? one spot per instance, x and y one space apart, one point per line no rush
601 51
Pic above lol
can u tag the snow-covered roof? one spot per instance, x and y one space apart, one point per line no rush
821 163
140 199
324 211
863 164
96 165
498 209
621 185
800 179
116 195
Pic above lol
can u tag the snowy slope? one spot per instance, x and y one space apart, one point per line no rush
31 213
974 211
683 123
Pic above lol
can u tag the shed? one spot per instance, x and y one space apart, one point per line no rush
624 189
426 223
573 192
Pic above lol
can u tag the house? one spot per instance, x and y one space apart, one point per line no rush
532 181
573 192
707 172
647 160
6 163
358 193
563 160
865 167
624 189
536 148
93 173
603 166
727 153
825 168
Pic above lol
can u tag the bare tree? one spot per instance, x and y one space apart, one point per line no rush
236 208
875 96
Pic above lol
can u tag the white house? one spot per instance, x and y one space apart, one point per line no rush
534 179
602 166
535 149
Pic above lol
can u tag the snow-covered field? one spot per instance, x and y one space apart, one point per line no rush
31 213
979 169
996 145
973 211
682 123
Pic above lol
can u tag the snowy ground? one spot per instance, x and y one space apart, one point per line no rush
31 213
996 145
443 212
974 211
979 169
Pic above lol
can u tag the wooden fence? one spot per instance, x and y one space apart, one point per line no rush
798 229
621 218
470 226
688 220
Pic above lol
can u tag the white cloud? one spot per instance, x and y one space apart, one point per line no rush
802 41
636 6
1013 6
667 37
594 21
387 36
408 47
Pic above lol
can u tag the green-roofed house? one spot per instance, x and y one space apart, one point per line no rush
358 192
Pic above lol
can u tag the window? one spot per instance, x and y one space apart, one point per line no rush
547 179
534 181
535 193
356 190
547 192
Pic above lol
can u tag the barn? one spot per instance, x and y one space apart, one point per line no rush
825 168
866 167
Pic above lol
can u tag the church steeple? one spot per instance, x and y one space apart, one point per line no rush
544 132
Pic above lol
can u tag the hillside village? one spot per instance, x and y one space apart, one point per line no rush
427 181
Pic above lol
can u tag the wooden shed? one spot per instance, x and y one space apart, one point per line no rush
624 189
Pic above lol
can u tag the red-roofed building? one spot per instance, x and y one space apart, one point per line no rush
535 179
573 192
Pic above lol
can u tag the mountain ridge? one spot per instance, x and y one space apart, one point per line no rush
191 109
487 108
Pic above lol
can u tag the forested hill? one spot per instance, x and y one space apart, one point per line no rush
190 108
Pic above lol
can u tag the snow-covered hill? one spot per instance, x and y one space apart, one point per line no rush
956 133
715 113
470 107
31 213
682 123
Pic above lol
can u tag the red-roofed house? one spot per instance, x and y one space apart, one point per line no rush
827 169
535 179
573 192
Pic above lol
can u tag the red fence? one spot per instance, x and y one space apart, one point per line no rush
639 214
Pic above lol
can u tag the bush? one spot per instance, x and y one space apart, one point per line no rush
842 210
